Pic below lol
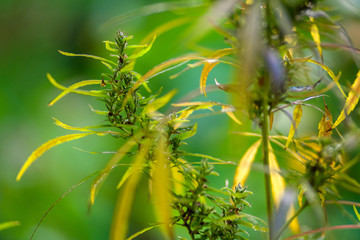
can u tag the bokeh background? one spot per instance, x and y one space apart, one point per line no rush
31 32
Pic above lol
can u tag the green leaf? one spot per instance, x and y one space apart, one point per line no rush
46 146
124 203
88 56
143 51
109 44
158 103
6 225
187 134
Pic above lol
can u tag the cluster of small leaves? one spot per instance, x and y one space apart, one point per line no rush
223 218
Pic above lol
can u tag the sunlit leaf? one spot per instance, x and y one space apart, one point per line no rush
278 188
142 231
159 102
351 101
209 65
326 68
123 150
88 56
325 124
143 51
296 117
72 89
125 200
46 146
243 169
65 126
161 180
229 111
314 31
6 225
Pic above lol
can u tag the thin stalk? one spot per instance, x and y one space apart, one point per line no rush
297 213
265 150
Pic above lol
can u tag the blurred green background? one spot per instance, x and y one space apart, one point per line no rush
31 33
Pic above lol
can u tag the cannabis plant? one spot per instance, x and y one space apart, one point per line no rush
276 49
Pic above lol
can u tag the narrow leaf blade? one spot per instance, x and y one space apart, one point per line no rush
210 64
296 117
46 146
88 56
351 101
124 203
243 169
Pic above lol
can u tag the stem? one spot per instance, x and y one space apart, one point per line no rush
297 213
265 149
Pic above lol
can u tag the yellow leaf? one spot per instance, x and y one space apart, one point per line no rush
124 149
66 90
73 87
125 200
46 146
351 101
296 117
278 188
65 126
88 56
210 64
125 177
325 125
243 169
161 180
229 111
159 102
271 120
314 31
